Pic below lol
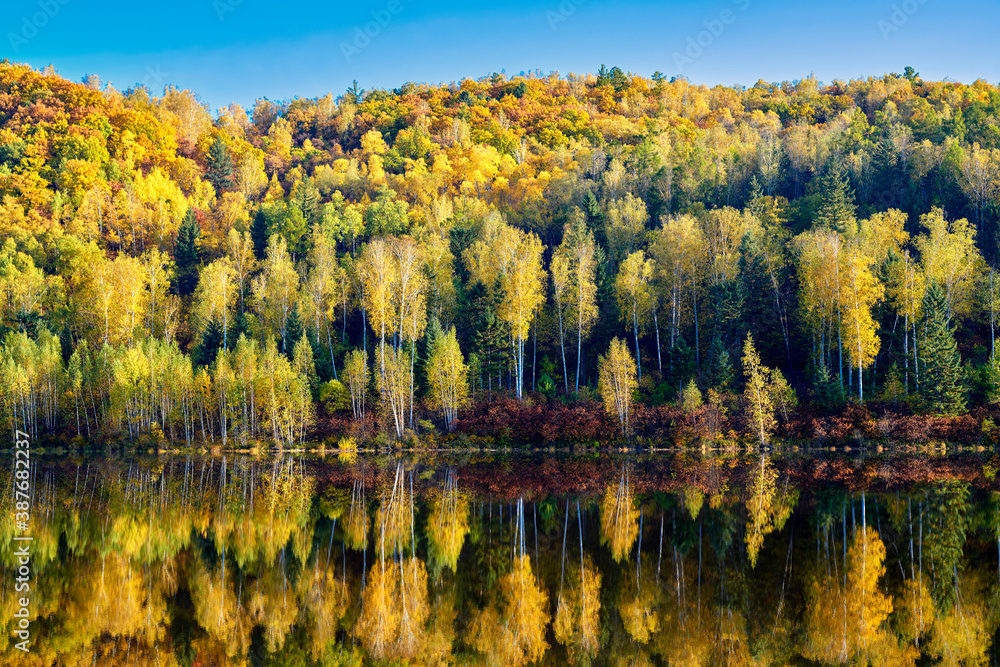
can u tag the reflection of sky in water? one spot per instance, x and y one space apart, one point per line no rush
712 561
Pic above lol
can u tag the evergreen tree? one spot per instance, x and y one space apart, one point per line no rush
826 390
211 343
836 210
729 299
942 380
305 197
186 253
720 366
321 358
219 166
239 327
293 332
595 215
258 234
681 362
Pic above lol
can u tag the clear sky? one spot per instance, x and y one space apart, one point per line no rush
239 50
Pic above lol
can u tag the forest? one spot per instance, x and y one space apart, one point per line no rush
595 257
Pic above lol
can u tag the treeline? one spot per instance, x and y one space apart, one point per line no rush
394 255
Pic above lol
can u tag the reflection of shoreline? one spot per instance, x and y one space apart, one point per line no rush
509 475
259 557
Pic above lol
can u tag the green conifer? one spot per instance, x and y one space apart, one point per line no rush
258 234
836 210
720 366
211 343
186 253
827 392
293 332
942 379
219 166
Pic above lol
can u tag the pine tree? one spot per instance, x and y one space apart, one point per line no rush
258 234
186 253
305 197
293 332
826 390
720 366
219 166
211 343
836 210
942 380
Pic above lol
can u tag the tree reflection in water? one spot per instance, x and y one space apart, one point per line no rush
235 561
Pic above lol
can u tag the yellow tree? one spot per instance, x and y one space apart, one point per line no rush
574 268
239 250
577 623
724 231
861 291
321 291
394 386
679 250
356 379
844 616
410 299
619 517
559 268
156 267
625 226
820 258
633 294
757 394
949 257
215 296
447 377
511 259
617 380
276 289
980 178
377 271
905 290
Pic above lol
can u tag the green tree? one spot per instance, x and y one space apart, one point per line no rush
836 210
219 166
259 234
720 366
942 380
293 332
187 251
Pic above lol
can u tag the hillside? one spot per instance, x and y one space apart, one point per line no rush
251 274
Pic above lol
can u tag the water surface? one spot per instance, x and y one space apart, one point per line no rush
437 560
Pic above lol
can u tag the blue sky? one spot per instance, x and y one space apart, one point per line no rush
239 50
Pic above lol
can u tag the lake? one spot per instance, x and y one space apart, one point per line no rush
505 559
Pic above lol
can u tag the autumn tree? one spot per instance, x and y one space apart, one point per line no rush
574 269
757 394
276 290
632 288
617 381
447 375
512 260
